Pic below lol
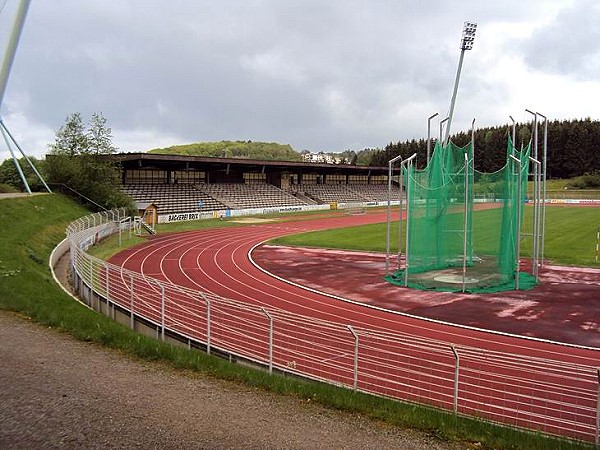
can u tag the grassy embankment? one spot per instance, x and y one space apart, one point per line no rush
32 226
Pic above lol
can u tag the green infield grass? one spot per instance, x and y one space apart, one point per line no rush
570 235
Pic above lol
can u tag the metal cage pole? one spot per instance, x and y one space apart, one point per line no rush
408 163
465 228
536 169
544 161
536 202
473 144
442 122
472 162
429 136
400 187
406 247
518 227
539 220
514 135
389 219
389 212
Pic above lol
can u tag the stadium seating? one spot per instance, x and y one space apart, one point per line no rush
182 198
173 198
345 193
374 192
253 195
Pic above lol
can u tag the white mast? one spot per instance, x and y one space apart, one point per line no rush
7 63
466 43
11 49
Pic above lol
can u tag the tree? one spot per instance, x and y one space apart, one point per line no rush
9 174
573 147
80 159
71 139
99 136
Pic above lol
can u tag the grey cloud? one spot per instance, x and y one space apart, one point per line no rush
570 44
318 75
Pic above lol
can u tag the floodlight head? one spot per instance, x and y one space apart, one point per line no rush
468 36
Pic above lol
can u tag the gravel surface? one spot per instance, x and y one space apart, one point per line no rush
59 392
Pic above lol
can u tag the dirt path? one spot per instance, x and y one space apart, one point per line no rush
59 392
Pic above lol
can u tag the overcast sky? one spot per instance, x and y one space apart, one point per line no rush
319 75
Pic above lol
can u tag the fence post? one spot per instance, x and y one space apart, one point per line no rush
107 291
270 317
355 385
456 370
207 324
598 410
91 285
162 312
131 316
91 278
597 244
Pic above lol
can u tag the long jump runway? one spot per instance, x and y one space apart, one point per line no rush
217 261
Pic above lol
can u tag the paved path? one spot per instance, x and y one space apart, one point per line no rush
61 393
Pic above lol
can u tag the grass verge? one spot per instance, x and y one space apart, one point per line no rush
32 226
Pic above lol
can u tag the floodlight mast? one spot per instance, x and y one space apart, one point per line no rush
7 63
11 48
466 43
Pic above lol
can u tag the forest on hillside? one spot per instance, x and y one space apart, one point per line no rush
573 147
234 149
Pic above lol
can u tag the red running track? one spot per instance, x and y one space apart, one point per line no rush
216 261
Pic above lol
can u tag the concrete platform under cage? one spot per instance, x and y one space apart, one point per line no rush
482 276
564 307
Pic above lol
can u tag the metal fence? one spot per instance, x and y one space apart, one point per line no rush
521 390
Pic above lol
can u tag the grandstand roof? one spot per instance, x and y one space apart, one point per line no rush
179 162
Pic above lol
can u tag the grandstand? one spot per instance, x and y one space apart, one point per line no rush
189 184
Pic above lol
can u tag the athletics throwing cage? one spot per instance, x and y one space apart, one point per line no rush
447 247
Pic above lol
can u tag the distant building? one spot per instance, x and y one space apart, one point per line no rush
321 157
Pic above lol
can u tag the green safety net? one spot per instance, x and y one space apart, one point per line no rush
449 247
